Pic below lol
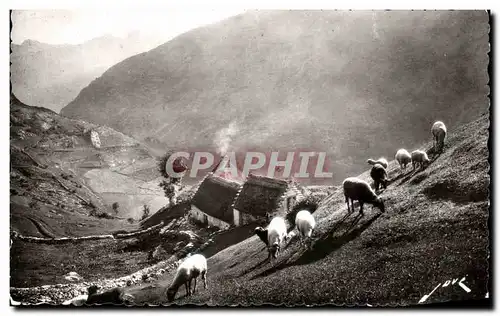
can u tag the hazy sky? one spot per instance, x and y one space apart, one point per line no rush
73 27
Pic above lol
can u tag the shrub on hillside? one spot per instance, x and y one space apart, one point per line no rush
310 203
145 212
115 207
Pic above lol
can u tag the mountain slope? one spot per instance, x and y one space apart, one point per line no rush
53 75
352 84
55 168
61 185
434 229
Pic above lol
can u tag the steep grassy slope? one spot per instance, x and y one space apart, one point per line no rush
352 84
435 228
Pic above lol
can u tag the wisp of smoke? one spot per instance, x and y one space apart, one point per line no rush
224 136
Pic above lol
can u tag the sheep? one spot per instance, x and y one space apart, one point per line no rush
262 233
305 224
381 161
276 234
438 134
403 157
114 296
77 301
360 190
379 176
81 299
190 269
419 157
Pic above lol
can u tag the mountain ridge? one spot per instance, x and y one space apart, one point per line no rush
325 80
51 75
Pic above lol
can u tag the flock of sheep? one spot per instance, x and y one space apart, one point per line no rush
275 234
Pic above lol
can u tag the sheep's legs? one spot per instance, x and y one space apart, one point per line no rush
308 243
204 278
360 207
194 289
347 201
187 288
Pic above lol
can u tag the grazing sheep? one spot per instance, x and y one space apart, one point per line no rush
276 234
187 271
381 161
113 296
305 223
403 157
439 134
81 299
76 301
379 176
360 190
419 157
262 233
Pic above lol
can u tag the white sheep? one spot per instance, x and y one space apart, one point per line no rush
403 157
276 234
439 134
419 157
188 270
381 161
305 223
359 190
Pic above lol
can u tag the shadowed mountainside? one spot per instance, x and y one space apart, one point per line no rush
352 84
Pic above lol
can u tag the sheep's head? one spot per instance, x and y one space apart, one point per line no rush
91 290
380 204
127 298
385 181
274 250
262 233
171 293
258 230
425 160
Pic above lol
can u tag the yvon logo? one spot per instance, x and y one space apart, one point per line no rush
446 284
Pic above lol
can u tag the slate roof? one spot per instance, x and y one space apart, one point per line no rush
215 196
260 195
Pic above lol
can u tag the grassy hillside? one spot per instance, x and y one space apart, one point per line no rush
352 84
58 178
435 228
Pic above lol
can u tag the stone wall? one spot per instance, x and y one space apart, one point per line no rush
61 240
